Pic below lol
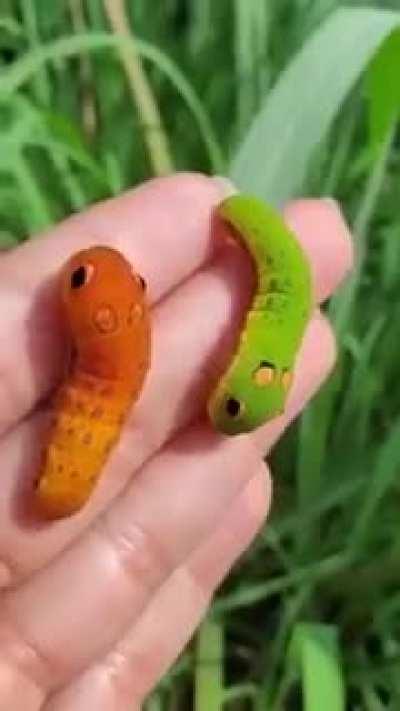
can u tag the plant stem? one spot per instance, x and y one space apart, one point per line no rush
209 662
142 94
342 305
41 83
40 216
89 117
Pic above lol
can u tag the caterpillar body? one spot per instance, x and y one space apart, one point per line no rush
256 383
107 317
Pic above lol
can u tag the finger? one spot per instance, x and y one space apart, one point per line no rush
324 235
26 545
139 660
50 628
316 360
163 228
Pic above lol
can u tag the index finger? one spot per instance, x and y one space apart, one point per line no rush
162 227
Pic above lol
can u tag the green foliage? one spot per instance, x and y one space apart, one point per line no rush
314 651
321 81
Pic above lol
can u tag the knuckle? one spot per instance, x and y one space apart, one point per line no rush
139 553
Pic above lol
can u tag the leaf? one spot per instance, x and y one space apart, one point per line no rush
314 652
31 62
303 104
11 26
63 129
383 477
383 89
209 664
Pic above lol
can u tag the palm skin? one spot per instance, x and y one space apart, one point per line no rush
97 606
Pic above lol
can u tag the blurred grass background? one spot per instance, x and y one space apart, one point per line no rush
288 97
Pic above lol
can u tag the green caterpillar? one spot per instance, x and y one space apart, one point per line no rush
255 385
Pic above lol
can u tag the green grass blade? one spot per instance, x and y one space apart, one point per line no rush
252 20
209 690
299 111
301 575
383 89
201 20
40 214
154 703
314 650
342 304
385 471
24 68
11 26
41 82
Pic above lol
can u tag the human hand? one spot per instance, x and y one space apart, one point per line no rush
96 607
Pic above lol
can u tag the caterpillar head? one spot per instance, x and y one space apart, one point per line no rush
106 310
247 398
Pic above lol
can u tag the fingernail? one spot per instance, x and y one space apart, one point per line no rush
225 186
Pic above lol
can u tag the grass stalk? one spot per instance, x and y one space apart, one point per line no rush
154 133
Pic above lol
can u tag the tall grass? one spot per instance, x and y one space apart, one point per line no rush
289 97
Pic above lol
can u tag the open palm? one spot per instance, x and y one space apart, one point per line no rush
96 607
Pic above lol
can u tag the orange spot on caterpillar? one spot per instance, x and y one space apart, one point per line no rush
97 413
136 312
264 375
107 318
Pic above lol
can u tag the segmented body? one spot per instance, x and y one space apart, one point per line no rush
108 321
256 383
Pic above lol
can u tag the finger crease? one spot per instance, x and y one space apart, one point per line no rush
24 655
140 554
132 668
8 572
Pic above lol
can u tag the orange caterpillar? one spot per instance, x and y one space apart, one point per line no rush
108 320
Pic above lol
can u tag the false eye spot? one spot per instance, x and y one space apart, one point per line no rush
287 377
265 374
105 319
233 407
81 276
135 313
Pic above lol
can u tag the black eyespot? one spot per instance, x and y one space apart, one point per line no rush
266 364
142 283
232 407
78 278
